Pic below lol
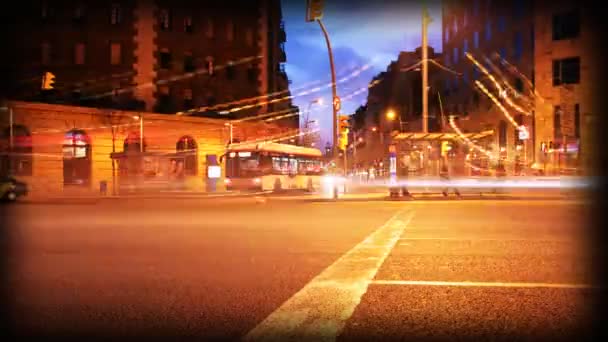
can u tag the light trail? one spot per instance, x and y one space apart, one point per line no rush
500 106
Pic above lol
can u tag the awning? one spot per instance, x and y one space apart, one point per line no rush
441 136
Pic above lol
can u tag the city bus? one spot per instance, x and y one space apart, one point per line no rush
273 167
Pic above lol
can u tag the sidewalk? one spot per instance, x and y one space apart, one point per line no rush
95 198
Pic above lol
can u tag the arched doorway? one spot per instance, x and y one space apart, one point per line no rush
77 158
187 146
17 158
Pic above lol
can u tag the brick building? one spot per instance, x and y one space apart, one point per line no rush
153 55
67 149
494 33
564 58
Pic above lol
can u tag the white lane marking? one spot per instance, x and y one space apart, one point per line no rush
329 300
481 240
481 284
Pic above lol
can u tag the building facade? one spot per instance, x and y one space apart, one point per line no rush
500 36
564 74
152 55
58 149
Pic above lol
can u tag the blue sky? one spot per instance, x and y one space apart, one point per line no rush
361 32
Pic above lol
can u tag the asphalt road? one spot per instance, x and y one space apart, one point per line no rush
252 268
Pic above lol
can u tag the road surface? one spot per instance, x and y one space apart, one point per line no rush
246 268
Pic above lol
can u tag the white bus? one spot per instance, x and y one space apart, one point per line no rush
273 167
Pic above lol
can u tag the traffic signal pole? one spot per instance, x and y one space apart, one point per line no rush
334 91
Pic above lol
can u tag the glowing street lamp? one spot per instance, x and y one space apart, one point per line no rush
391 115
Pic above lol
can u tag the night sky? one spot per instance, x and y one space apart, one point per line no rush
361 32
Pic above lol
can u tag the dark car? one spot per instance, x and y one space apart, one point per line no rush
11 189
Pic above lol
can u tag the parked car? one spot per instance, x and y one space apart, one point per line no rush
11 189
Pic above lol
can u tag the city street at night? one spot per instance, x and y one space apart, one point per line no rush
250 268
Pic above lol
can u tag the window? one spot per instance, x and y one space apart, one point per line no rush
577 121
517 46
188 28
78 14
465 47
164 104
45 53
566 71
230 71
79 54
187 145
519 119
19 162
249 37
77 158
566 25
464 18
188 62
115 54
455 26
447 34
502 134
476 39
252 73
519 7
230 30
475 73
188 103
164 20
519 85
115 14
210 67
502 23
446 59
209 28
557 124
502 52
465 77
165 59
488 30
455 52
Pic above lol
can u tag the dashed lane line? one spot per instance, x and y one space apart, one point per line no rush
321 308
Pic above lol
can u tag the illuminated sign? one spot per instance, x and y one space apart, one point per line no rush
214 172
244 154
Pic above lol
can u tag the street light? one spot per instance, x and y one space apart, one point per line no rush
391 115
140 117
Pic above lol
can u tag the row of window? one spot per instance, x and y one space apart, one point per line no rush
518 46
80 55
565 25
165 21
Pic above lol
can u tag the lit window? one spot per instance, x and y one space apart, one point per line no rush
476 39
188 28
165 20
77 165
115 54
455 52
447 34
79 54
115 14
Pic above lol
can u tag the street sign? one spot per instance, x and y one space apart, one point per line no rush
314 10
524 134
337 104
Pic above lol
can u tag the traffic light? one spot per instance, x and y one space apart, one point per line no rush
314 10
343 129
48 81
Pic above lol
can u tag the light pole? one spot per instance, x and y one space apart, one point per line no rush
391 115
333 90
230 126
140 117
